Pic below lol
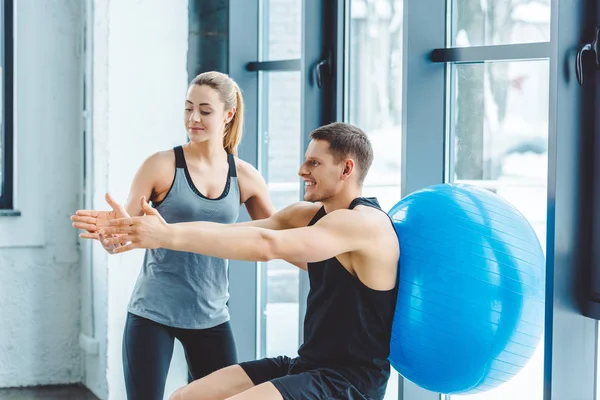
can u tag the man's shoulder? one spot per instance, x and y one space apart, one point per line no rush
300 213
378 261
370 225
305 206
365 216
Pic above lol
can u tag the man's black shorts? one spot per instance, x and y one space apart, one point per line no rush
299 380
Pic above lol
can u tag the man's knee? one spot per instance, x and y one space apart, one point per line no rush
178 394
222 384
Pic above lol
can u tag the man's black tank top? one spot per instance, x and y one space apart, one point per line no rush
347 324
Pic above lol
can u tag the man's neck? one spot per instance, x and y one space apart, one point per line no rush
341 201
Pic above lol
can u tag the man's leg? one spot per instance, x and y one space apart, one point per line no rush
230 381
219 385
264 391
321 383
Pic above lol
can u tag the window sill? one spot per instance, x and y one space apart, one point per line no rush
10 213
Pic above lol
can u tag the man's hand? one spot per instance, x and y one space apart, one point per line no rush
92 221
147 232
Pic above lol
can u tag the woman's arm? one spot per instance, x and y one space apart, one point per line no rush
151 179
254 192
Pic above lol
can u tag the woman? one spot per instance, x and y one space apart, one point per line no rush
183 295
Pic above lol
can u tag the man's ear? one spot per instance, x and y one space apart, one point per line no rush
348 168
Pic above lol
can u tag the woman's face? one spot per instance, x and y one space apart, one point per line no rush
205 115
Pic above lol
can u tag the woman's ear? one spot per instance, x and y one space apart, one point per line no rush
230 115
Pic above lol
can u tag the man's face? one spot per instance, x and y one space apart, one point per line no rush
320 172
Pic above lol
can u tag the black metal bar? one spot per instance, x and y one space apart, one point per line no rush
593 302
279 65
6 198
479 54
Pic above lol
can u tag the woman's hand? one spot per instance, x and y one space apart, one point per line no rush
92 221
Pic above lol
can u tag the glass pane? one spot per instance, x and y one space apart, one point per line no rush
282 29
282 149
598 363
375 98
499 137
494 22
280 120
375 90
1 127
1 105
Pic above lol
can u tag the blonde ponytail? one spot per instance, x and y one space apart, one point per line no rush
234 129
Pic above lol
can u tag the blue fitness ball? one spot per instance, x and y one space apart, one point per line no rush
470 308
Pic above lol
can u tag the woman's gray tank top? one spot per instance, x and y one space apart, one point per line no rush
180 289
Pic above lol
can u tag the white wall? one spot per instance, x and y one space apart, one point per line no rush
39 263
139 85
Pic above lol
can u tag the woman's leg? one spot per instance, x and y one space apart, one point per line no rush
208 350
147 353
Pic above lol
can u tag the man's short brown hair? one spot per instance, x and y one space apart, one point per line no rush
347 141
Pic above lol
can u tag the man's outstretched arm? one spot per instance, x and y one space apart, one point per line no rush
334 234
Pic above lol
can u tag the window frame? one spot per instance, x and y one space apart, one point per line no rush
7 181
570 338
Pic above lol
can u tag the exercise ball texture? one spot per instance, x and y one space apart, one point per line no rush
470 308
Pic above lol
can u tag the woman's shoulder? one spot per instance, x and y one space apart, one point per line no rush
251 182
161 158
159 166
246 171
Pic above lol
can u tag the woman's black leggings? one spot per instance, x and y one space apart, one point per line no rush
148 349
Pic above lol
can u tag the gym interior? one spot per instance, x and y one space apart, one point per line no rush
497 94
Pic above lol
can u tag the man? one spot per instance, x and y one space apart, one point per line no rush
352 253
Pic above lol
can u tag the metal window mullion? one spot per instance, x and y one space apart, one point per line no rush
342 59
7 182
478 54
569 337
423 116
307 116
244 275
275 65
320 105
263 168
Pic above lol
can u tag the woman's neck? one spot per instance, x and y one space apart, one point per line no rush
205 151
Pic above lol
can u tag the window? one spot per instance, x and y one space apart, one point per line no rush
274 60
374 99
6 88
499 136
492 99
482 92
499 22
498 128
283 145
374 79
280 138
